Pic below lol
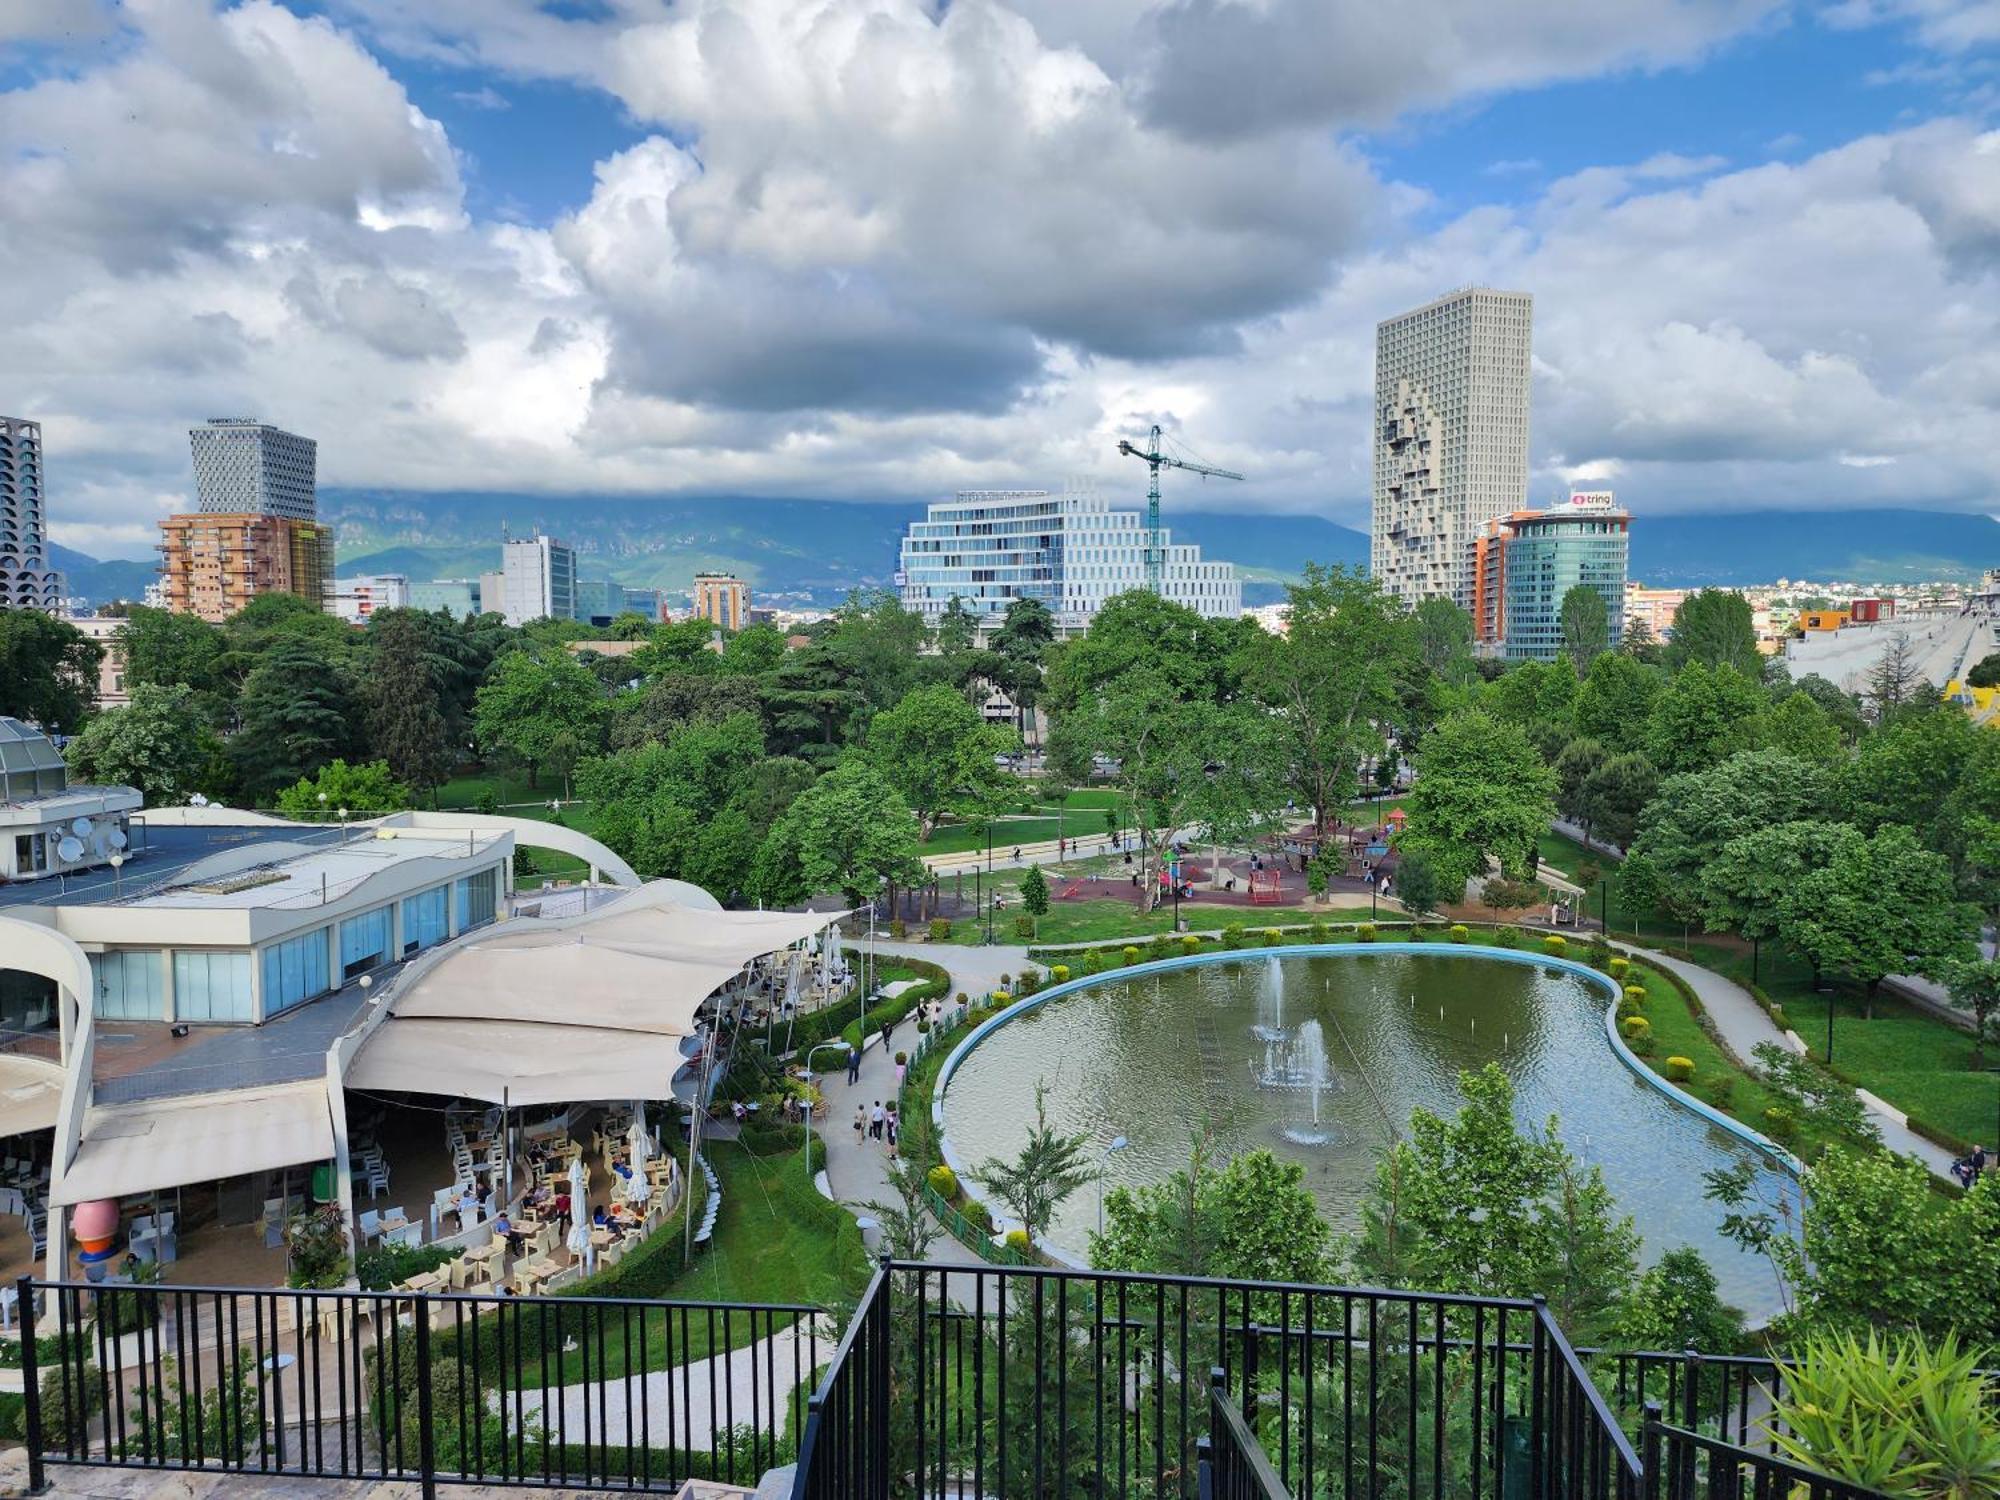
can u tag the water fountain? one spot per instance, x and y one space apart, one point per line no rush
1309 1061
1270 1025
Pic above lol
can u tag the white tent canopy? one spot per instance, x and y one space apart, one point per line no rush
734 937
590 985
163 1143
30 1093
520 1062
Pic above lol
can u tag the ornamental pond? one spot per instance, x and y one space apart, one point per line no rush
1322 1059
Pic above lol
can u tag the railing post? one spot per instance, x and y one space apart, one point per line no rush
31 1388
426 1446
879 1365
1538 1399
1650 1452
1691 1390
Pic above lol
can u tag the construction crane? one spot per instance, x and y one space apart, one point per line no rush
1155 459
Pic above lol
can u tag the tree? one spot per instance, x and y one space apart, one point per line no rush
1639 643
1745 886
541 708
1614 702
1251 1219
48 670
1820 1102
1799 726
362 789
1896 681
1480 790
407 726
880 642
1880 906
1416 884
1615 795
1695 814
753 649
297 712
957 629
1333 682
158 743
938 751
1985 672
1975 988
1678 1305
1838 705
1580 759
1704 717
849 831
1586 626
669 702
1019 648
1714 627
908 1230
684 807
1444 638
1050 1166
1540 697
1913 771
166 649
1478 1204
1035 893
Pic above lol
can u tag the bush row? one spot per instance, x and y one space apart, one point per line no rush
1236 937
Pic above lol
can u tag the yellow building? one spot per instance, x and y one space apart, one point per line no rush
213 565
722 599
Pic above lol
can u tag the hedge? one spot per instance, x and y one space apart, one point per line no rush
838 1020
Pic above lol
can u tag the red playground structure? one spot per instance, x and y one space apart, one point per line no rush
1265 888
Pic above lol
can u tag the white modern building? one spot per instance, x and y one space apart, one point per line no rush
356 598
48 827
458 595
537 580
26 579
1071 550
1451 437
246 467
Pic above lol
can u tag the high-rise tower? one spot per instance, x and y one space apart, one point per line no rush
246 467
26 580
1451 437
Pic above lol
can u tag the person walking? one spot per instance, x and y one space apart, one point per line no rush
853 1065
860 1121
876 1119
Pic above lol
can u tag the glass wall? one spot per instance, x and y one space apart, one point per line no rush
424 919
295 971
364 942
130 986
476 896
212 986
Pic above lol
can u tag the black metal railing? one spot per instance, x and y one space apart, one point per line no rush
1684 1465
1004 1381
534 1392
1231 1462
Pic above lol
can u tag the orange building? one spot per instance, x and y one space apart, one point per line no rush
722 599
1489 578
213 565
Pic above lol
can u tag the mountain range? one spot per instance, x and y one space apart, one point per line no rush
803 552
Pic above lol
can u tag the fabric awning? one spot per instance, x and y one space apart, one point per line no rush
30 1093
523 1062
733 937
564 982
164 1143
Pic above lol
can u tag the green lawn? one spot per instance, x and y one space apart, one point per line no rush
1029 820
1103 920
1563 855
517 799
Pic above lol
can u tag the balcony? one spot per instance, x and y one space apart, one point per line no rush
949 1383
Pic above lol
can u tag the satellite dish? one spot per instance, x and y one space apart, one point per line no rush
117 838
70 849
80 827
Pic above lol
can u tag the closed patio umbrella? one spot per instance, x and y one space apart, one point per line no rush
640 1188
579 1210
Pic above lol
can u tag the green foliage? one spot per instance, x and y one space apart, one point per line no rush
940 929
48 670
1878 906
1697 813
407 692
943 1181
1190 943
1233 936
1252 1218
1049 1167
1680 1069
382 1266
1035 892
157 743
1677 1304
1416 884
1460 932
1900 1416
1364 932
297 711
1586 625
850 831
1481 790
361 789
1703 717
1614 702
541 708
316 1248
938 753
1713 628
696 806
1129 954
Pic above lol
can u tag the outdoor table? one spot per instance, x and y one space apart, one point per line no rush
600 1239
386 1226
483 1253
424 1281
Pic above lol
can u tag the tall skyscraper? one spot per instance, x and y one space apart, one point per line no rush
722 599
537 580
246 467
1451 437
1072 551
26 580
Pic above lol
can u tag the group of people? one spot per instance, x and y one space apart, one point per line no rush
877 1123
1967 1168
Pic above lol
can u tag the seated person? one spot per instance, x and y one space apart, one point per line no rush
503 1229
597 1217
468 1209
1967 1168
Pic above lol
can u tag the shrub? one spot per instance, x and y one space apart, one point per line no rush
943 1181
1499 894
1600 953
1636 993
1459 932
1506 937
963 998
1001 1000
1093 962
1680 1069
1779 1123
898 929
1057 972
976 1215
1627 1007
1719 1088
1319 932
1555 945
65 1422
1618 965
923 1026
1190 944
1414 934
1131 955
1635 1027
940 929
1024 928
1232 936
902 1059
1017 1239
1365 933
381 1266
1162 946
1027 984
1273 937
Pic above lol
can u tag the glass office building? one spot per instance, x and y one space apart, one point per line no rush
1549 552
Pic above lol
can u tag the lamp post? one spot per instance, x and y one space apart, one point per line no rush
1604 905
841 1043
343 825
117 882
1118 1143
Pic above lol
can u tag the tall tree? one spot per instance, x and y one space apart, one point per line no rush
1838 705
1745 886
167 649
405 701
1251 1218
159 743
48 670
543 708
1696 814
1481 789
957 629
1975 989
1896 681
1051 1165
1586 626
1799 726
1615 701
1020 647
297 712
1638 642
1581 759
937 750
1704 716
1615 795
1714 627
1444 638
1333 681
849 831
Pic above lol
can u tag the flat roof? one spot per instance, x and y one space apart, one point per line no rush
156 855
302 873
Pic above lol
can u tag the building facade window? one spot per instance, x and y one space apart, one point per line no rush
364 942
130 986
425 916
212 986
295 971
477 897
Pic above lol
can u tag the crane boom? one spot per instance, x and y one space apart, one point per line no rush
1155 460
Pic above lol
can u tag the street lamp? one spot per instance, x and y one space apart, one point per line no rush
1118 1143
343 825
841 1043
117 883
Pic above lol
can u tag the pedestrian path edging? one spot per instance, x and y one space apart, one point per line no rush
1611 988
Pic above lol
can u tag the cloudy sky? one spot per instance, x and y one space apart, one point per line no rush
879 249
